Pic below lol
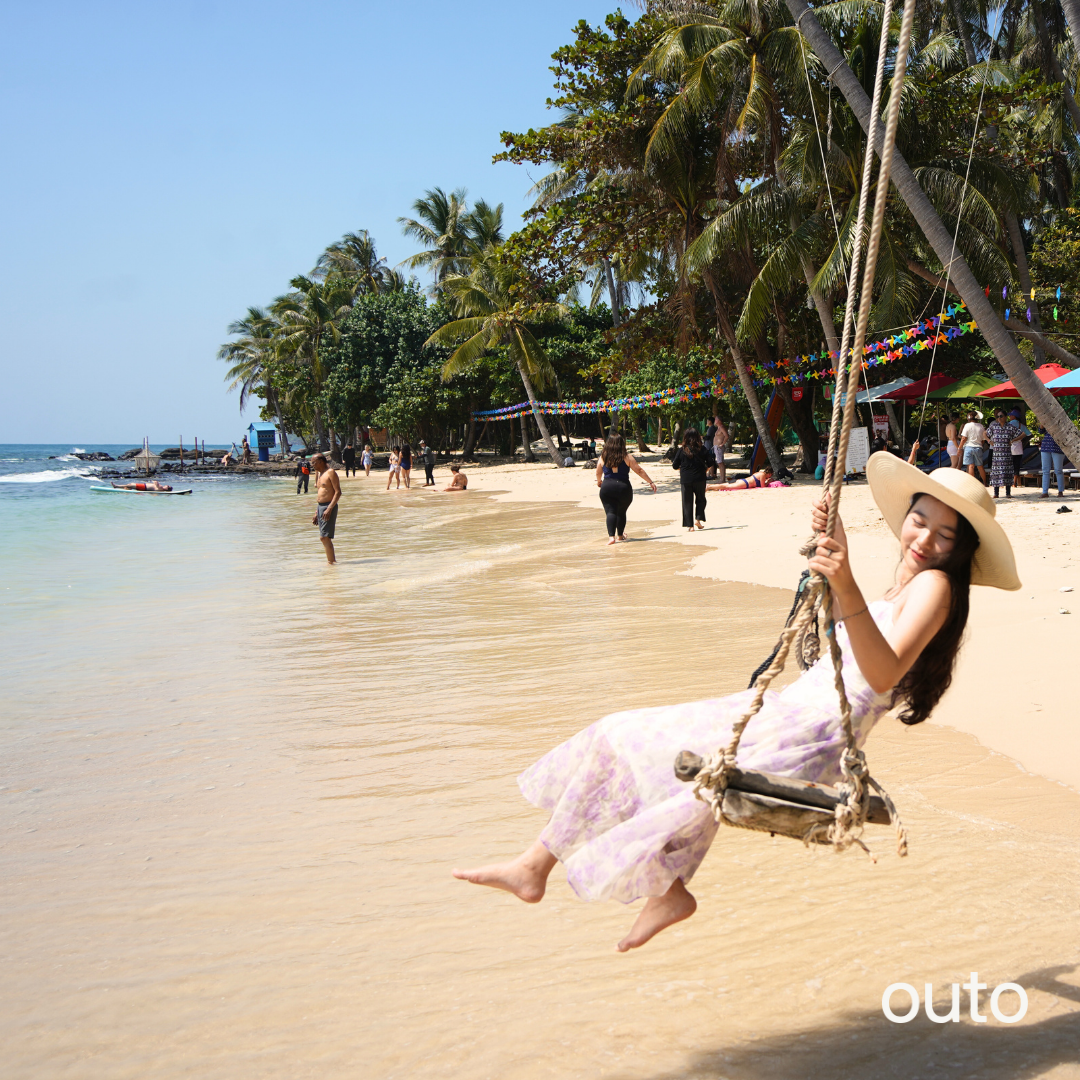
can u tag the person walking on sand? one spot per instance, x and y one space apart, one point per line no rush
348 459
692 462
303 473
395 461
366 459
328 488
1001 433
952 436
613 480
971 440
459 481
405 463
1016 448
622 823
428 456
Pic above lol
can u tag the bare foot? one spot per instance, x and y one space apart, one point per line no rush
611 541
621 539
701 524
525 877
658 914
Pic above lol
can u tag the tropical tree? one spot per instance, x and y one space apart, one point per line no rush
442 225
308 319
497 308
252 355
354 261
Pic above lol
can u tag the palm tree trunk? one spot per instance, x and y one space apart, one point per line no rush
1049 412
1016 238
723 322
552 449
1052 60
526 445
613 294
467 451
272 401
963 32
320 431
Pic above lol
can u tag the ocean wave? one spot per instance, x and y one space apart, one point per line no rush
47 476
77 450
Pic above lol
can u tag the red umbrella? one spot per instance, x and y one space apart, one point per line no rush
914 391
1045 373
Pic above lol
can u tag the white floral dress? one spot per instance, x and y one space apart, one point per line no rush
625 827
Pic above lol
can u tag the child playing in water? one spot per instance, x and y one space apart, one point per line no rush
622 823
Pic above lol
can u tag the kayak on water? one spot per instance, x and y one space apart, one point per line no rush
132 491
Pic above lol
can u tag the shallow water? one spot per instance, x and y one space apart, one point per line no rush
234 781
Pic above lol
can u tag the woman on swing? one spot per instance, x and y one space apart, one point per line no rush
621 822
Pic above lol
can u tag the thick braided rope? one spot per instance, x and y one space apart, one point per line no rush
851 811
831 461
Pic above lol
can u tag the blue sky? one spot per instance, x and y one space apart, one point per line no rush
166 165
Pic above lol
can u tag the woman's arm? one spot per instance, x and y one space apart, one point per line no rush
884 659
676 461
629 459
599 472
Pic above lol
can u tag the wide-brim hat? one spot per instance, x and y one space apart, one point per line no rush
894 483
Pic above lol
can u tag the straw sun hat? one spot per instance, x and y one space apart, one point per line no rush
893 483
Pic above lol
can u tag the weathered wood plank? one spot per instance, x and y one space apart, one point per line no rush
787 788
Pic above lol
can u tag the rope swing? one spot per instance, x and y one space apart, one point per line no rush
812 812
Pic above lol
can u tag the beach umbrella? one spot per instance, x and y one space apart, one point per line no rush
1045 374
914 391
963 389
876 393
1069 383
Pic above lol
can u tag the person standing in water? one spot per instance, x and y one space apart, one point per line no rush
328 487
303 472
429 464
366 459
348 459
613 480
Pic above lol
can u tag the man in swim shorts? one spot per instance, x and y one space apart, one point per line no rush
328 487
459 481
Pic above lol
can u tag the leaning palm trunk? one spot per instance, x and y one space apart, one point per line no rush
552 449
1049 412
745 378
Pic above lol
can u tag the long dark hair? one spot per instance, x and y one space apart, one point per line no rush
931 675
614 452
691 442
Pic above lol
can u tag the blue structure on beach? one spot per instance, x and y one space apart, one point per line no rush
262 436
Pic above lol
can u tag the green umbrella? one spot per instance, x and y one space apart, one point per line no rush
964 389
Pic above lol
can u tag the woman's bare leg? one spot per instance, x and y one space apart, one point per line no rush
525 877
658 914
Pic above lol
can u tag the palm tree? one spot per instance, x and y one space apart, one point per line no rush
442 225
307 315
354 260
252 356
492 316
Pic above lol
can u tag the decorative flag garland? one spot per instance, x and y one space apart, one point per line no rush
885 351
1020 298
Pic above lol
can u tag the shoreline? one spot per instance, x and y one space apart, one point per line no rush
1005 691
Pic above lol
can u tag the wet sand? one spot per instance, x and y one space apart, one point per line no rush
227 849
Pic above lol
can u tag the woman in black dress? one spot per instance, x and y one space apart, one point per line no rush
692 463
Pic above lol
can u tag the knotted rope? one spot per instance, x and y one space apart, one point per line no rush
850 814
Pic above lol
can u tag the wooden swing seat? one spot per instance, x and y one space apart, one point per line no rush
777 804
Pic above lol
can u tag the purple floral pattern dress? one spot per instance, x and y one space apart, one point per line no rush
625 827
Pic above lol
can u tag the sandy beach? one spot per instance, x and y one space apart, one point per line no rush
229 839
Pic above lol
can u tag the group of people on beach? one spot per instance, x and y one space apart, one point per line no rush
328 485
697 460
1003 441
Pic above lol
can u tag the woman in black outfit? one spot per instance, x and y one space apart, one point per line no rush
692 463
613 480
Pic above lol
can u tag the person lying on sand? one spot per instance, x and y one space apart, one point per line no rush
759 479
459 482
622 822
149 485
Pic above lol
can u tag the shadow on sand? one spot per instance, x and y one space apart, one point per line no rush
873 1048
